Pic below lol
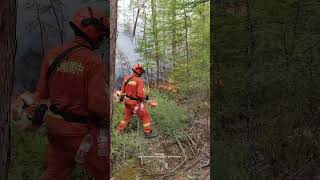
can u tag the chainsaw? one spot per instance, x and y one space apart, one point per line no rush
27 112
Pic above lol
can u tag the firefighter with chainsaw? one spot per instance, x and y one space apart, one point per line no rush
72 78
134 98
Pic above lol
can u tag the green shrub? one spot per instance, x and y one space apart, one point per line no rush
27 152
229 161
167 118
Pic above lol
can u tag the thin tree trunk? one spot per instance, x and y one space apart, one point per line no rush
7 59
135 24
62 14
145 47
186 40
57 19
40 25
155 34
173 32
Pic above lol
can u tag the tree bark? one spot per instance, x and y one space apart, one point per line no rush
251 124
111 66
40 26
186 40
57 20
135 24
173 31
7 58
155 34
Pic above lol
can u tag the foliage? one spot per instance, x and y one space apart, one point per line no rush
174 41
27 155
267 53
167 118
229 159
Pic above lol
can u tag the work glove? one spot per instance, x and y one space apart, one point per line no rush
136 109
32 119
141 107
39 114
121 98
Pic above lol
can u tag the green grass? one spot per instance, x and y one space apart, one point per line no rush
167 118
28 149
27 153
229 161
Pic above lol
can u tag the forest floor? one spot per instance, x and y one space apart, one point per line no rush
189 157
187 141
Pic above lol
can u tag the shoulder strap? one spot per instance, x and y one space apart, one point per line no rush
60 58
127 82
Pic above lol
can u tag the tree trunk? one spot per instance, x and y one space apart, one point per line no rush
40 26
111 64
145 47
135 24
173 32
155 34
251 124
57 20
7 58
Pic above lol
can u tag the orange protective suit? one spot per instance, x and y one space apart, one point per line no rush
134 89
78 86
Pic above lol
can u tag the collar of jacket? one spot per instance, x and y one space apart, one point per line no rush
80 40
134 74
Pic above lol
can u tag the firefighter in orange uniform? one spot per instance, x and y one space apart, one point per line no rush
76 91
133 95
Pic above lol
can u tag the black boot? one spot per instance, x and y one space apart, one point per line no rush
150 135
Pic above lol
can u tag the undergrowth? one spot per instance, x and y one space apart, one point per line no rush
27 156
167 119
28 149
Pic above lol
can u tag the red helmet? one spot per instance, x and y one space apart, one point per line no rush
138 69
91 24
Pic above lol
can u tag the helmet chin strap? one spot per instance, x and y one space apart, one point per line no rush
89 41
78 32
137 73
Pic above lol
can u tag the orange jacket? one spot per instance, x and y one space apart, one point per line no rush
134 87
78 86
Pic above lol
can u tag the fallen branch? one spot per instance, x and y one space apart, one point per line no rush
175 169
193 143
194 163
191 147
151 174
178 166
181 147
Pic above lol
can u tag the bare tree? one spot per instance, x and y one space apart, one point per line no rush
7 58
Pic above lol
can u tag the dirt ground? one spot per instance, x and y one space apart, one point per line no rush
188 159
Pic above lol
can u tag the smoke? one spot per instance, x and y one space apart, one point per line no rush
29 43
